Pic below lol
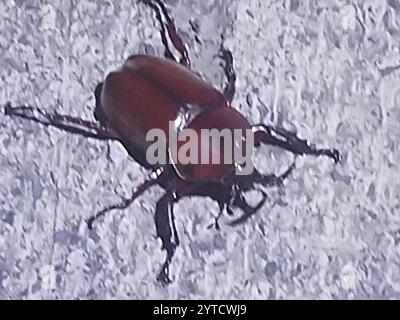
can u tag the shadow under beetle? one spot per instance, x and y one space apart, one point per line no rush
146 93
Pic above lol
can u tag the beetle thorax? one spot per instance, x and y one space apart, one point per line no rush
206 150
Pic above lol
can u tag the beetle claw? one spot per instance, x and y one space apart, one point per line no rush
163 276
163 279
216 224
89 222
336 156
7 108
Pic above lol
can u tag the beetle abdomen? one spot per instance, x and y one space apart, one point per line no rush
147 93
180 82
133 105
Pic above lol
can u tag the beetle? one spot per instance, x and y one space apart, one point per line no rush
148 92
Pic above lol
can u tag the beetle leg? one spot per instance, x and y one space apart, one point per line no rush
166 230
154 179
167 53
222 206
169 26
248 211
239 201
227 65
70 124
271 179
289 141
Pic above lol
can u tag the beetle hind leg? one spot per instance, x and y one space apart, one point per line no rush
169 27
67 123
230 74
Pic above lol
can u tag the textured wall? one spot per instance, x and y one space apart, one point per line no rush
327 69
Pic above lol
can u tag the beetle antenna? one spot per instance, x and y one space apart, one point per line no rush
153 180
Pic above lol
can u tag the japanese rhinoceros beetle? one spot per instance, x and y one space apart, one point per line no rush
149 92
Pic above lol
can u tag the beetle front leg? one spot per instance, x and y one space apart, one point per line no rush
222 207
156 176
67 123
289 141
169 27
248 211
256 178
271 179
166 231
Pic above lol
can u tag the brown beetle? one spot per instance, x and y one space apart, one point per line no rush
148 92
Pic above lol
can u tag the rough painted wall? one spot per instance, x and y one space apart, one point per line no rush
326 69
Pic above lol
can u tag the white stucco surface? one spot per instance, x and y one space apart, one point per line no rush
327 69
